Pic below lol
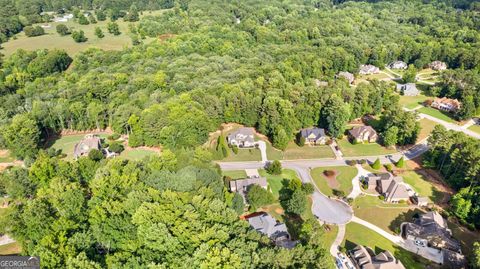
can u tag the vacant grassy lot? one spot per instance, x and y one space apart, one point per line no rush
251 154
368 149
426 128
475 128
412 102
235 174
357 234
275 182
52 40
422 186
67 143
437 114
370 208
343 180
293 151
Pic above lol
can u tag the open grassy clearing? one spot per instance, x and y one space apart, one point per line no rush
52 40
426 128
342 181
357 234
412 102
367 149
437 114
370 208
422 186
475 128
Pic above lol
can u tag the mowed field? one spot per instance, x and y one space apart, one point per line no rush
52 40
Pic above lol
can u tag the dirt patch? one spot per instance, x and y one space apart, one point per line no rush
332 180
279 211
4 153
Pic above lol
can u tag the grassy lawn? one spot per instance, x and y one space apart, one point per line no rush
67 143
369 208
275 182
426 128
137 154
422 186
465 236
251 154
411 102
293 151
52 40
368 149
357 234
437 114
235 174
273 153
344 177
475 128
10 249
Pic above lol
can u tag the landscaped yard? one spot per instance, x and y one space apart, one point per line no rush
426 128
52 40
437 114
475 128
384 215
234 174
341 181
422 186
275 182
251 154
293 151
67 143
357 234
136 154
412 102
367 149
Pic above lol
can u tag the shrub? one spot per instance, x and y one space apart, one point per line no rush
79 36
62 29
99 32
235 149
113 137
329 173
116 147
401 163
362 161
274 168
33 31
338 193
113 28
389 167
95 155
381 197
351 162
377 165
308 188
83 20
301 141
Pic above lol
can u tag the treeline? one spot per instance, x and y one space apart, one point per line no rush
457 157
169 211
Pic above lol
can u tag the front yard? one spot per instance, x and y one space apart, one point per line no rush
475 128
342 180
250 154
426 128
357 234
368 149
437 114
293 151
275 182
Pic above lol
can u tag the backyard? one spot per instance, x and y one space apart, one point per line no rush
342 180
437 114
52 40
368 149
412 102
357 234
422 186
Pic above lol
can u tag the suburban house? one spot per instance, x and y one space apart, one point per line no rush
313 136
367 69
267 225
346 75
438 65
88 143
241 185
361 134
409 89
365 258
392 188
430 229
398 65
446 104
243 137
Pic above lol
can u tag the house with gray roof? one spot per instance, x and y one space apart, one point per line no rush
392 188
409 89
398 65
276 231
241 185
87 144
365 258
346 75
368 69
361 134
314 136
242 138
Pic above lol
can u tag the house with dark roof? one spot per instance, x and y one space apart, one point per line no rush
276 231
398 65
346 75
431 229
392 188
365 258
313 136
87 144
409 89
361 134
368 69
253 178
242 138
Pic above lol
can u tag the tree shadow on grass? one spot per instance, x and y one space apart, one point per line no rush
403 217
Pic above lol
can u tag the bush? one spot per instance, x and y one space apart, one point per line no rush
33 31
301 141
95 155
401 163
308 188
389 167
381 197
116 147
338 193
113 28
62 30
351 162
362 161
79 36
101 16
329 173
274 168
113 137
235 149
99 32
377 165
83 20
